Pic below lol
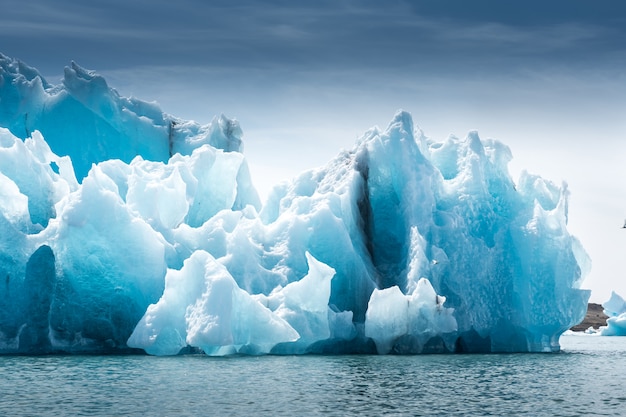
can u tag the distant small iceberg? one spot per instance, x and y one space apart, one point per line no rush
615 308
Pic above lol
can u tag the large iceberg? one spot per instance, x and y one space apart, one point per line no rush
147 233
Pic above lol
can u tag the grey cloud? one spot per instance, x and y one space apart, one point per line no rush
413 36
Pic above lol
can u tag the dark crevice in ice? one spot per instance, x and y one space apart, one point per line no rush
39 285
363 201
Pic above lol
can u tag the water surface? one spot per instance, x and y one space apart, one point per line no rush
585 379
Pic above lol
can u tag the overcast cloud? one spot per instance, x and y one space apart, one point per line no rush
427 35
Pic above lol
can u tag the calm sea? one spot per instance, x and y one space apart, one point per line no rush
587 378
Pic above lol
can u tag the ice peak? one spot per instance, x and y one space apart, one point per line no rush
227 134
402 121
82 72
474 143
14 69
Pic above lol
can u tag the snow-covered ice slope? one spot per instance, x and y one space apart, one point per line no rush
401 244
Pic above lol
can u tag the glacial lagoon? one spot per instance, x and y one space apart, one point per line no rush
583 379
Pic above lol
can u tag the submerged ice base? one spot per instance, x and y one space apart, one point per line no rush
400 245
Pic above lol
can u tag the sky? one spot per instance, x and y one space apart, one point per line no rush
305 79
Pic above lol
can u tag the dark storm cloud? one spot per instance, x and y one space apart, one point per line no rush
424 35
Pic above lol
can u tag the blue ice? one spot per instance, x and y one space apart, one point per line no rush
125 228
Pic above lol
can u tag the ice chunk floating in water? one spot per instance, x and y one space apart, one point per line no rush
615 309
400 245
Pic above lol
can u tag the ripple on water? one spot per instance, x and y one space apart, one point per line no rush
582 380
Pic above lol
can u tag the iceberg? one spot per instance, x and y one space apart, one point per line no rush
615 309
126 229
